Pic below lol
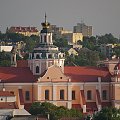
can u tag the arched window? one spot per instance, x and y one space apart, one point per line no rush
104 94
89 95
37 69
37 56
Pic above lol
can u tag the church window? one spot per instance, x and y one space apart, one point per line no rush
49 56
104 94
73 95
89 95
45 38
37 56
46 94
37 69
27 95
61 94
43 55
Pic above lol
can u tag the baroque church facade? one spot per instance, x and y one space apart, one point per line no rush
43 77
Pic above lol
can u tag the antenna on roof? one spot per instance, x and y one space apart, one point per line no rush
45 18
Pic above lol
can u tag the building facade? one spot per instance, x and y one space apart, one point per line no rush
84 29
26 31
43 78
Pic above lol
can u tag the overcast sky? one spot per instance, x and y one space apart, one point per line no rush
103 15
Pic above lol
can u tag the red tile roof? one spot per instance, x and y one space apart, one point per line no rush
16 75
87 74
22 63
6 93
23 29
8 105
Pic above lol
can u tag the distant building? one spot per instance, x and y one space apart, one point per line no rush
73 37
72 52
6 48
107 50
82 28
26 31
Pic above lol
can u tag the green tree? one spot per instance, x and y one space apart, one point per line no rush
61 43
54 112
108 114
5 59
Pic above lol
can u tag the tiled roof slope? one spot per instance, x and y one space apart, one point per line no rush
16 75
87 74
8 105
22 63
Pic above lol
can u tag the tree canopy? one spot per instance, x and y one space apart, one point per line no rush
108 114
55 113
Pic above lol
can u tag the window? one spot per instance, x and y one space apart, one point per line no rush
37 69
41 38
27 95
104 95
61 94
37 56
89 95
73 95
46 94
60 77
45 38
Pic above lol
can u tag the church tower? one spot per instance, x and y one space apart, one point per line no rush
45 54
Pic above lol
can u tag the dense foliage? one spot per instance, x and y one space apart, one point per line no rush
87 56
5 59
108 114
54 112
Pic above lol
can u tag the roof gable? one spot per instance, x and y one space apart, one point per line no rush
54 74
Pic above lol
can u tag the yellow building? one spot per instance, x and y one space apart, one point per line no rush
26 31
73 37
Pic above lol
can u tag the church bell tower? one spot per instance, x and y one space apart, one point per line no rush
45 54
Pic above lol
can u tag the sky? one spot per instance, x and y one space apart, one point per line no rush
103 15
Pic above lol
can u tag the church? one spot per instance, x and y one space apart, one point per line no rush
43 77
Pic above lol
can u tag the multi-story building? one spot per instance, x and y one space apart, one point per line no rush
107 50
43 77
73 37
84 29
26 31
